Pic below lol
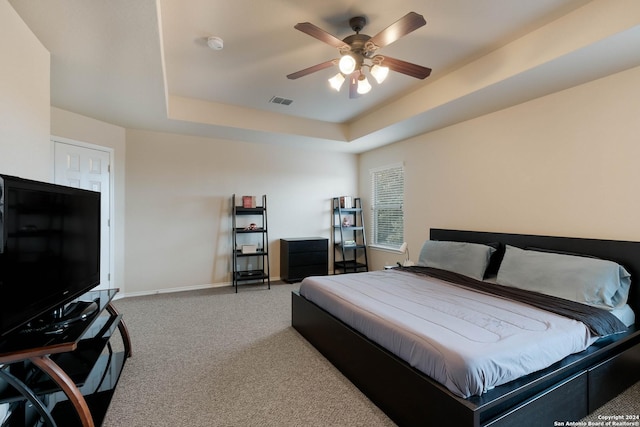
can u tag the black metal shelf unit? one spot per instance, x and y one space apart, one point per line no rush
250 251
349 239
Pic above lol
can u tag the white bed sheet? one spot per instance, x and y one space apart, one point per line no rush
468 341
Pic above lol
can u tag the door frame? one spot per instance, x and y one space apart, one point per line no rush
58 139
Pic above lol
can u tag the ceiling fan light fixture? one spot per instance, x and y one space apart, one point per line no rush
379 72
363 86
336 81
359 51
347 64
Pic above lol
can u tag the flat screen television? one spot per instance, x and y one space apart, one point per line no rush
49 249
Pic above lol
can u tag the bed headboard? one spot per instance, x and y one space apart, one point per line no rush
624 253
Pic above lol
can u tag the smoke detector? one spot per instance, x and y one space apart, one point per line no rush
215 43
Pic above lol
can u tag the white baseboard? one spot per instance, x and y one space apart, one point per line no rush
120 295
170 290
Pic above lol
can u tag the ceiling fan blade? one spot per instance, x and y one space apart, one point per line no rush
310 70
404 67
403 26
320 34
353 84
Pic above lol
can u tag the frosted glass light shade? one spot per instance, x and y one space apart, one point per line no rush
336 81
379 73
363 86
347 64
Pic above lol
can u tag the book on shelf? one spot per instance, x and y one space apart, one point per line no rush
248 201
346 202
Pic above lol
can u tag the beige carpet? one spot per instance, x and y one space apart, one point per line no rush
216 358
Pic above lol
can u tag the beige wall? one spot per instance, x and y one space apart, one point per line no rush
24 100
177 187
178 203
564 164
173 196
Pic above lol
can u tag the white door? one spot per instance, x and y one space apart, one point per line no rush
88 168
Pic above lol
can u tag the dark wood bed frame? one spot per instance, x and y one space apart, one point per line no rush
566 391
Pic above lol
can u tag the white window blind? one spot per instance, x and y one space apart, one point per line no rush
387 199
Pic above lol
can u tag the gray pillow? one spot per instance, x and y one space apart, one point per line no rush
469 259
596 282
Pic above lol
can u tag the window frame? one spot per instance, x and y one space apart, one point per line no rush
376 206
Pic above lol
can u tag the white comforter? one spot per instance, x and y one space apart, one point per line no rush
468 341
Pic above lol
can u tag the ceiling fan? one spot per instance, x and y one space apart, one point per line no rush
359 51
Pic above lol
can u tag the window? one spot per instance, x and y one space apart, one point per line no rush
387 199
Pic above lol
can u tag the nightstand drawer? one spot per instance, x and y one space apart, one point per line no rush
308 258
295 245
296 274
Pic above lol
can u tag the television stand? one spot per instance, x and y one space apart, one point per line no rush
66 378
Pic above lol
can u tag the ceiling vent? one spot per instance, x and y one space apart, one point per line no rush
280 100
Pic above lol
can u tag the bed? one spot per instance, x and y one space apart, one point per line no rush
567 388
